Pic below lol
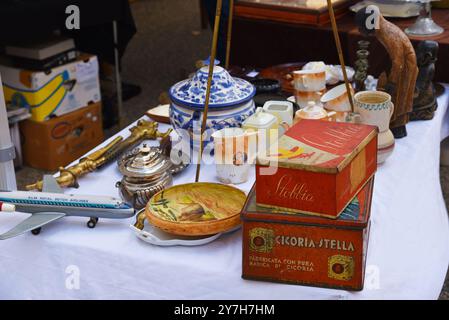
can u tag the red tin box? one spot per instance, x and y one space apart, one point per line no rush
307 250
317 167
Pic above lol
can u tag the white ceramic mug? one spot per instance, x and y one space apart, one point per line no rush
234 152
337 99
309 85
304 97
375 108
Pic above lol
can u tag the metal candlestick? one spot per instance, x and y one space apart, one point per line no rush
361 72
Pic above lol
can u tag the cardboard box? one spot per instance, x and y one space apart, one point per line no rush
61 90
57 142
317 167
307 250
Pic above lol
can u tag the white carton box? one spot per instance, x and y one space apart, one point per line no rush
61 90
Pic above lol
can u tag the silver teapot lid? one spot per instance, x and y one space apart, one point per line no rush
145 162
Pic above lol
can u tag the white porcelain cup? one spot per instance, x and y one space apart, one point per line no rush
337 99
375 108
309 80
304 97
234 152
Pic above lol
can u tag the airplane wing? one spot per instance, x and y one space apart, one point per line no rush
35 221
50 185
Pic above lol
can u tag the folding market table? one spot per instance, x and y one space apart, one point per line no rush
408 252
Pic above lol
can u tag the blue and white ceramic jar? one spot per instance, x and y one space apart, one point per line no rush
231 102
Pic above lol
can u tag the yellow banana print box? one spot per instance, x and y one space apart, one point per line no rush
54 92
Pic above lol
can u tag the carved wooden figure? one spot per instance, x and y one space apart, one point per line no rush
425 102
400 80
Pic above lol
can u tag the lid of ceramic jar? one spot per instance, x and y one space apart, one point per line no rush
260 120
146 163
226 91
312 111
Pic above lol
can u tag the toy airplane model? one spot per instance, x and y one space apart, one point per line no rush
52 204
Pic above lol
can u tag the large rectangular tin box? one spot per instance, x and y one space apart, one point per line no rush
307 250
317 167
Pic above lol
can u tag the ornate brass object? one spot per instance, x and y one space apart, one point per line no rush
68 177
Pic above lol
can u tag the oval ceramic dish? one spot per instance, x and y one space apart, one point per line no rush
196 209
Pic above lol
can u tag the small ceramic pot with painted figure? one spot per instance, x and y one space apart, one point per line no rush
234 152
376 108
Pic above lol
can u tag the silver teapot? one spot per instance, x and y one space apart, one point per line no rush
146 171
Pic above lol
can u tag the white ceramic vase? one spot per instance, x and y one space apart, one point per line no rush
375 108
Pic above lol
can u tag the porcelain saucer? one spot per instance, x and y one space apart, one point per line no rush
156 236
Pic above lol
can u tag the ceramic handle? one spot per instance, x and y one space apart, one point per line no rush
305 82
285 125
300 81
250 132
392 109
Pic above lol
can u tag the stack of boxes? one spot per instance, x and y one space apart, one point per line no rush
62 92
306 220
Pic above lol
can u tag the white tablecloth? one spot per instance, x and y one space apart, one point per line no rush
408 252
